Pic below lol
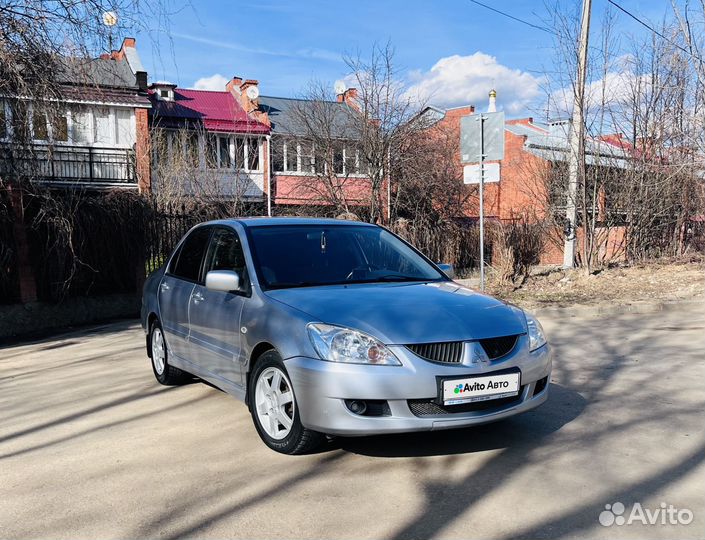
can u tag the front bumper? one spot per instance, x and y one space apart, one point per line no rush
321 389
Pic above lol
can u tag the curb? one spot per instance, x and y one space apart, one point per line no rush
614 310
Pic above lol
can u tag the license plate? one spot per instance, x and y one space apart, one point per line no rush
482 388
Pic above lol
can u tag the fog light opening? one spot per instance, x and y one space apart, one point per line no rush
356 406
540 385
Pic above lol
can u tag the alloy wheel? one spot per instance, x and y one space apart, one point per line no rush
274 402
158 351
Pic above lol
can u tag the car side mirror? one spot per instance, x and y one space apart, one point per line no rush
223 280
447 269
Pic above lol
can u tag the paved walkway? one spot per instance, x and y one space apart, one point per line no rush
92 447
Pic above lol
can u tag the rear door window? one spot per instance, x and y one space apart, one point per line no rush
188 265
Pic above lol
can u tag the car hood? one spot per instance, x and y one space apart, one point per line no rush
404 313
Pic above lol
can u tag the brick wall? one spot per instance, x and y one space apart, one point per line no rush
303 189
521 190
142 154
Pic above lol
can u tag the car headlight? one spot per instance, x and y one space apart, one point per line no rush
536 336
340 344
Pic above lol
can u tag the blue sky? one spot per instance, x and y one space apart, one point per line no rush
455 47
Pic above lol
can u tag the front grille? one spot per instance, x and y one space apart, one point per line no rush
499 346
451 352
429 407
448 353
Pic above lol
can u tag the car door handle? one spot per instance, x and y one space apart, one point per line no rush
197 297
165 287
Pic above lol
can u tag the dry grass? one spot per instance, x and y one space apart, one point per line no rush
659 281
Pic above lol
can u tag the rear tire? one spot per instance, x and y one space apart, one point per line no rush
165 373
274 409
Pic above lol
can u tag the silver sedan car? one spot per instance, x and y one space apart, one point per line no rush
326 327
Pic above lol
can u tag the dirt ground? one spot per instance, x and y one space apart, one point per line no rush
663 281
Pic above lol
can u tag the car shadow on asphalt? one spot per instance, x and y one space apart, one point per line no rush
525 430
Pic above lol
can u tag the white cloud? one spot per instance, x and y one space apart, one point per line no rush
466 80
611 93
310 53
214 82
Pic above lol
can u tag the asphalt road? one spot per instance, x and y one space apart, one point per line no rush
92 447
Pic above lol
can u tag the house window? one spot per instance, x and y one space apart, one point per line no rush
252 154
211 151
59 127
224 152
164 93
218 152
192 153
239 153
19 121
320 160
279 155
307 157
339 158
102 126
175 145
124 134
81 126
40 129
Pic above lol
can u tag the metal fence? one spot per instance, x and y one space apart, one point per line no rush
89 244
90 164
9 283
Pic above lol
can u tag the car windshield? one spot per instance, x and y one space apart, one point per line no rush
311 255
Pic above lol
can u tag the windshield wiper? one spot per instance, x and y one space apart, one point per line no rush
397 277
294 284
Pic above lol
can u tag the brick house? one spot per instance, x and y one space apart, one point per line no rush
212 142
300 174
96 138
533 152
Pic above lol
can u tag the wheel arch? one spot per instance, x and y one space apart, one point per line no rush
150 321
258 350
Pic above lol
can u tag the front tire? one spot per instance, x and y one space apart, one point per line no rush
165 373
274 410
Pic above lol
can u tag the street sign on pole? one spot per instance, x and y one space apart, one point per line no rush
471 173
493 136
482 139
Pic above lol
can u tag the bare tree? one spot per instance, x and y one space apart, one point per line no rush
325 147
187 170
350 148
641 184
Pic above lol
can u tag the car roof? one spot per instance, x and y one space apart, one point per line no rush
283 221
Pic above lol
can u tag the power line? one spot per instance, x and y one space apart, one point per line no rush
517 19
659 34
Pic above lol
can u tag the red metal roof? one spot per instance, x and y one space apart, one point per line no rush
218 111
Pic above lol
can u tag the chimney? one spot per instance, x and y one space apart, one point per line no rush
141 80
349 97
233 86
249 103
127 43
492 106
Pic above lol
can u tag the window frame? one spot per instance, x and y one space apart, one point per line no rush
174 260
245 282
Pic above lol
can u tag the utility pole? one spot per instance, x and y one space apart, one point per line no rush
481 119
576 158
